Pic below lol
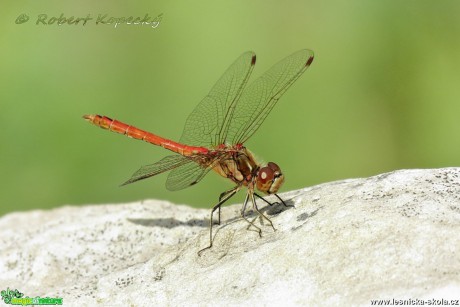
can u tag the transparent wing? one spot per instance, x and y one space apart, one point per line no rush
185 170
209 121
261 96
164 165
185 176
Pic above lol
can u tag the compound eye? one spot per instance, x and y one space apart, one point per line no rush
274 167
266 174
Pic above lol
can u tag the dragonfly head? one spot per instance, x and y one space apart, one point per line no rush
269 178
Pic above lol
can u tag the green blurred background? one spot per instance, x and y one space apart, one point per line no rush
382 93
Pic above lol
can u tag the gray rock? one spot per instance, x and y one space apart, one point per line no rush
394 235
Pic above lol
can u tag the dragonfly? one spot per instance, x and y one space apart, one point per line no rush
216 131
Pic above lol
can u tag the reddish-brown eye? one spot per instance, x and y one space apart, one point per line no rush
274 167
265 174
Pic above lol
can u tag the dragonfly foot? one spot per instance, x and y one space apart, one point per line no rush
202 250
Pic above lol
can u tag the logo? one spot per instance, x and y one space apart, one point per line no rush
14 297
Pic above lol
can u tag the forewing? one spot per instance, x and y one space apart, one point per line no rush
260 97
164 165
208 122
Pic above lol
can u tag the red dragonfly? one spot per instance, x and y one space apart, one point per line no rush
216 130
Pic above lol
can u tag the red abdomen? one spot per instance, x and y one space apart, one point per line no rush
138 134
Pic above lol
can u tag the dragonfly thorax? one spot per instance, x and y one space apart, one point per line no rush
241 167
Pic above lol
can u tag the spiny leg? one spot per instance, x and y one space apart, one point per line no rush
282 201
222 200
261 214
223 195
255 218
251 223
271 204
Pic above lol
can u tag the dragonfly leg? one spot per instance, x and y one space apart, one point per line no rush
260 213
271 204
222 199
251 223
282 201
223 195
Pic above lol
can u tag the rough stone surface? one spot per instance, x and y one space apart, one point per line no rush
395 235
